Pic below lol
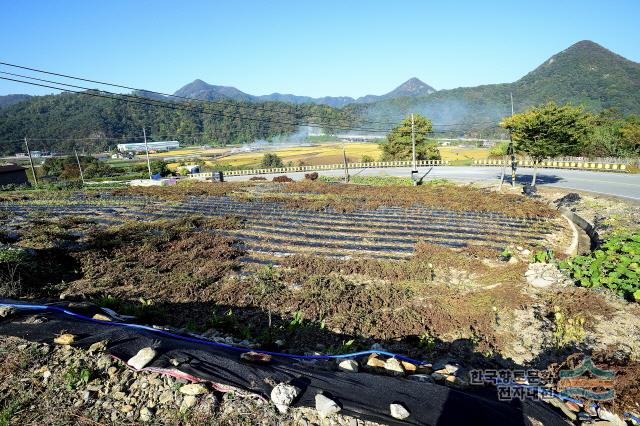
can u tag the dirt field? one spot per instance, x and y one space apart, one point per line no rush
431 272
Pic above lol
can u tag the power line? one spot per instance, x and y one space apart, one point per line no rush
256 107
173 106
221 102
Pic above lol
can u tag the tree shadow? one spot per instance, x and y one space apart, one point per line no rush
525 178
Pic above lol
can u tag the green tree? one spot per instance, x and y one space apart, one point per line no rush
99 169
270 160
548 131
398 145
630 132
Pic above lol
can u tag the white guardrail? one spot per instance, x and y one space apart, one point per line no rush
374 165
580 165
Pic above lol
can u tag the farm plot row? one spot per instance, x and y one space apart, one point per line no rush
270 228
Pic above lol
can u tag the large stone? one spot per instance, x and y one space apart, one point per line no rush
101 317
145 414
456 382
398 411
394 367
256 357
6 311
142 358
193 389
607 415
326 406
374 362
349 365
64 339
283 395
188 402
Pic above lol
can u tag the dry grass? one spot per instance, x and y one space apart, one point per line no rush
345 198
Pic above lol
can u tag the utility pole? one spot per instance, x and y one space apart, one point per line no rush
146 147
512 151
33 170
346 166
79 167
414 167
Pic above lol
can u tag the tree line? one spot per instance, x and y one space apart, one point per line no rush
70 118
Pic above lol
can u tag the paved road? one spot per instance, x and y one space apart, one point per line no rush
616 184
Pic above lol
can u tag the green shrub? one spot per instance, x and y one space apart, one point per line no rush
614 266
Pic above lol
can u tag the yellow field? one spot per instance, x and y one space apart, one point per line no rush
453 153
327 153
309 155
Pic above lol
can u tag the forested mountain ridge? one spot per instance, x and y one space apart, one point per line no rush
584 74
68 118
198 89
8 100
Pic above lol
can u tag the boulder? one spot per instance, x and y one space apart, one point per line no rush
64 339
398 411
349 365
283 395
394 367
326 406
142 358
194 389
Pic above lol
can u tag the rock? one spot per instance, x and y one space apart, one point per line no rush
349 365
188 402
610 417
45 376
101 317
146 414
408 367
6 311
452 368
377 347
572 406
439 377
194 389
374 362
456 382
398 411
64 339
283 395
256 357
126 408
98 346
394 367
424 369
165 397
326 406
142 358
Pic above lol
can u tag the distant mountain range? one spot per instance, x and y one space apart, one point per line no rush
584 74
8 100
198 89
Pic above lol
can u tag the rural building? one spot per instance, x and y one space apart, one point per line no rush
13 174
153 146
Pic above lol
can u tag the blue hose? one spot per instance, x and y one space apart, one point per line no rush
206 342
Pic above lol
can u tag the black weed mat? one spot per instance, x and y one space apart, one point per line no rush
363 395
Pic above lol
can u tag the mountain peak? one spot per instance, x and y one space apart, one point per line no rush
412 87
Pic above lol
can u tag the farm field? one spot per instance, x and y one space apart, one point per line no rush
435 272
331 153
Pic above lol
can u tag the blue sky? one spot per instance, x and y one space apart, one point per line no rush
312 48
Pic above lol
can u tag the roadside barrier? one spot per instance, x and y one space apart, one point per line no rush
578 165
321 167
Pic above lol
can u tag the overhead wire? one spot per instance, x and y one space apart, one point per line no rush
256 107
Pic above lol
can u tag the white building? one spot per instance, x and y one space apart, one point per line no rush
153 146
